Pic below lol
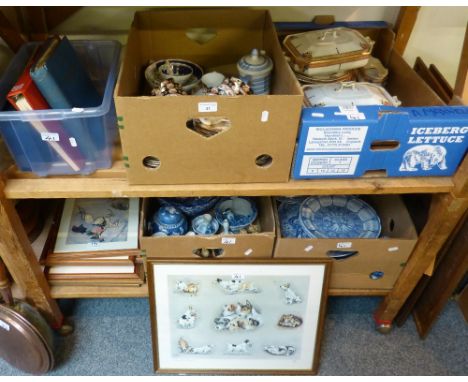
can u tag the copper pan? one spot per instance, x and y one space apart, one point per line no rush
26 340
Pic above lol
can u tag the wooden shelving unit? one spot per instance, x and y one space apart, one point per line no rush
449 203
113 183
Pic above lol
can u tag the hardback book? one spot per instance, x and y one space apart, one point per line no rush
105 224
65 84
25 96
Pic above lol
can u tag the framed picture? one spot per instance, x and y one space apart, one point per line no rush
98 225
227 317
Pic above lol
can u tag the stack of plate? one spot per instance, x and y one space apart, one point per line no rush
328 217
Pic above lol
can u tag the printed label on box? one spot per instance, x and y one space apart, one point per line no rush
228 240
207 107
329 164
344 244
335 139
50 137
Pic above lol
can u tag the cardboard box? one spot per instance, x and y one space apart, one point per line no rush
156 127
387 254
258 245
421 138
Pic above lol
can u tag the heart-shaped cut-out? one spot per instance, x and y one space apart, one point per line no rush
201 35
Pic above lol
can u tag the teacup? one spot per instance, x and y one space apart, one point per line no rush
178 71
205 225
236 212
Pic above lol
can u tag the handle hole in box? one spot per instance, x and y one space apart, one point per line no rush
375 173
264 160
379 145
151 162
208 127
391 225
377 275
208 253
201 35
342 255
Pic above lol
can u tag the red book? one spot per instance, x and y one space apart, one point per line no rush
25 96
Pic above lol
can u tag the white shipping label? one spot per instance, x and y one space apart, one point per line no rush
265 115
317 165
345 244
4 325
207 107
50 137
228 240
393 249
335 139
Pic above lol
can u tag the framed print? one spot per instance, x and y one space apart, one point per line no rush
227 317
98 225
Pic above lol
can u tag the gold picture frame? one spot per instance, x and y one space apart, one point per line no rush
257 317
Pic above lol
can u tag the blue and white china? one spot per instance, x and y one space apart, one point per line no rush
191 206
339 217
178 71
154 78
255 70
290 199
205 225
288 213
238 211
170 221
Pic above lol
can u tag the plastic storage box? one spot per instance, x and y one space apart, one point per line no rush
97 125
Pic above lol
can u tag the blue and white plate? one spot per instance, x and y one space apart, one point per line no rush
290 226
339 217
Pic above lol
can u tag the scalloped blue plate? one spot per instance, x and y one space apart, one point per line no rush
339 216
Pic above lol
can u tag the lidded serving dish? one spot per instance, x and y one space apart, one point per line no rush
347 94
327 51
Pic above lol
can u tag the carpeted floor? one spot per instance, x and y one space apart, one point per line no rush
113 337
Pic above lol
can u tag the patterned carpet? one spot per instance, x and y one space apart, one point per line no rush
113 337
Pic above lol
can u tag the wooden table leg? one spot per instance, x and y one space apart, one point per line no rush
20 260
445 212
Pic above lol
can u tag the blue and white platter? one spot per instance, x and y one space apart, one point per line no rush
288 213
338 216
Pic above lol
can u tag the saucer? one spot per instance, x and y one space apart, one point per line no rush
339 217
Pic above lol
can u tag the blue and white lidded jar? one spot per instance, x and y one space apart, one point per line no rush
255 70
170 221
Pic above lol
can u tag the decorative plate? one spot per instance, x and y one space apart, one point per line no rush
288 213
339 216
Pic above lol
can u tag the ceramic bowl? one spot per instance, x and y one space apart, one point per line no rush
213 79
154 78
191 206
170 221
238 211
205 225
339 217
178 71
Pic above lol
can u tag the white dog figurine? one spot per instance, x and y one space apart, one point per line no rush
290 295
236 285
242 348
189 288
187 320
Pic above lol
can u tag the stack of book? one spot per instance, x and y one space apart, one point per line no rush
96 244
54 78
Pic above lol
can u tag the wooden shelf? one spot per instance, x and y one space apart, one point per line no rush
98 291
117 292
113 183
